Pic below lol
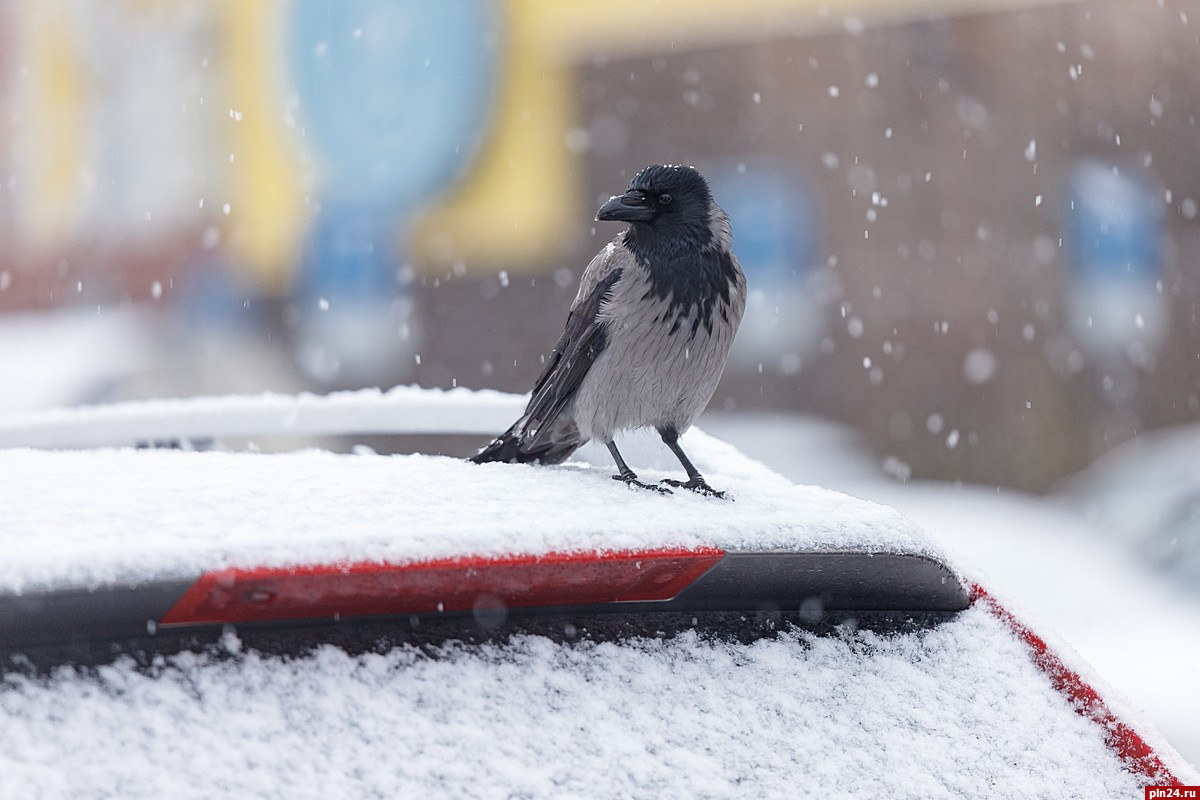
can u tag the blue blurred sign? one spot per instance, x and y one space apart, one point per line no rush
774 222
1114 226
394 94
1114 230
349 252
394 97
354 323
775 236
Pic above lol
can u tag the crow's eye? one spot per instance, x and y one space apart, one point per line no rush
665 199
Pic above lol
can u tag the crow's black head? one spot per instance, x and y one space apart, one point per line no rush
668 199
681 238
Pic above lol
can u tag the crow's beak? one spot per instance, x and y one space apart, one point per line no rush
627 208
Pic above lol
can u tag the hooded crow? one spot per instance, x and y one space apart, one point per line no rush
648 334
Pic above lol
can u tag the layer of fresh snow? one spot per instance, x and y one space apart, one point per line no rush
902 716
85 518
957 711
1133 627
401 410
1136 630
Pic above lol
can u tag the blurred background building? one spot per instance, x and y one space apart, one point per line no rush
970 228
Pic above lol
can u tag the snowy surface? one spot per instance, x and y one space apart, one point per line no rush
959 711
403 409
1137 631
956 711
84 518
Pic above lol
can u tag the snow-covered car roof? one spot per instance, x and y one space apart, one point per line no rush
107 516
148 537
963 703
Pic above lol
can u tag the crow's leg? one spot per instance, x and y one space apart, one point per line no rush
628 476
695 480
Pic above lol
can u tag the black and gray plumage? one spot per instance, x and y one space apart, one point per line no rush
648 334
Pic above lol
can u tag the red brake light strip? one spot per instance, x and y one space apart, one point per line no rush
453 584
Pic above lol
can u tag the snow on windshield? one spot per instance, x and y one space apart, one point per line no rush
957 711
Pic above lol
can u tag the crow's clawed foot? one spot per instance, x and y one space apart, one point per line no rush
697 485
630 479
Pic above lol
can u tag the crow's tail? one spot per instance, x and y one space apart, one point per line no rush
518 446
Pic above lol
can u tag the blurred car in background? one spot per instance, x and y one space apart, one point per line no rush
1145 496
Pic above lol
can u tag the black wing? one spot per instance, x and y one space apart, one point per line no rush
582 341
537 436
